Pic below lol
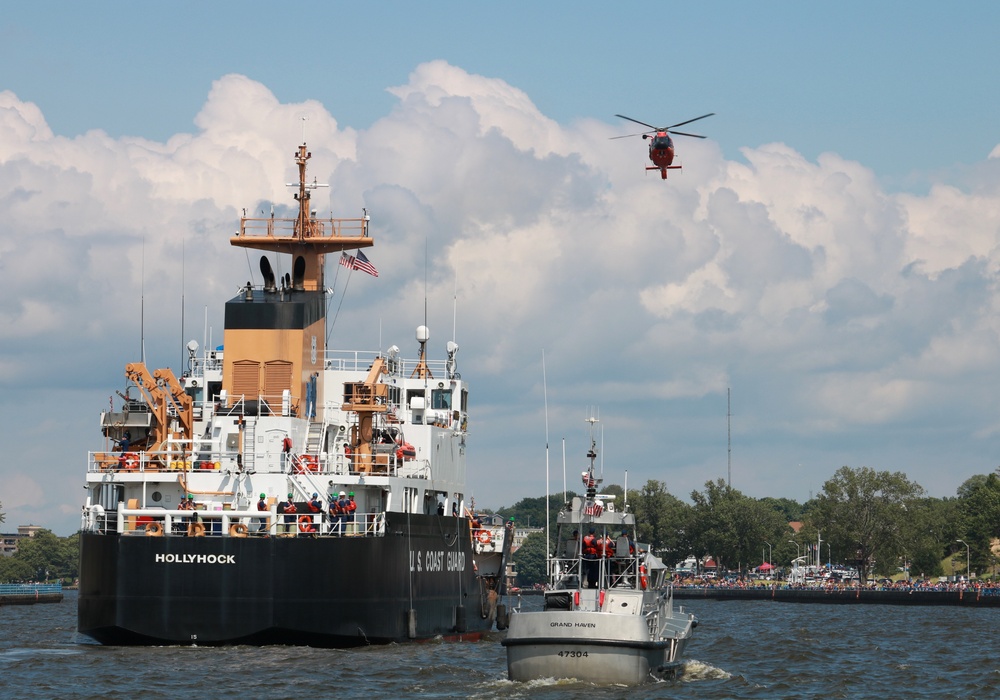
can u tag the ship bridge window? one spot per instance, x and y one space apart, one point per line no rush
441 399
394 395
213 390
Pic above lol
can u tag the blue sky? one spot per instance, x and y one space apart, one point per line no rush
904 87
829 252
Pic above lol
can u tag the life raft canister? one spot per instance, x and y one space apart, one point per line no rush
406 451
306 524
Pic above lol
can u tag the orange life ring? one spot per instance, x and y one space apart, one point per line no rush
306 524
154 530
129 461
643 581
484 537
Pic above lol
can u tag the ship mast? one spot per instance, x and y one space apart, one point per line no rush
275 339
306 237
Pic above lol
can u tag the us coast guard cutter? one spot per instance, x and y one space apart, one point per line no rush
274 412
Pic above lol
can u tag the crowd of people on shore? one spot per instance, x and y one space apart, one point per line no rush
983 587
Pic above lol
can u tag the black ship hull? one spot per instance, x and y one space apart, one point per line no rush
418 581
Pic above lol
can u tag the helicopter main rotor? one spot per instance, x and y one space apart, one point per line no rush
667 129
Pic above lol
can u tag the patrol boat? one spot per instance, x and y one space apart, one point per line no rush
608 615
280 492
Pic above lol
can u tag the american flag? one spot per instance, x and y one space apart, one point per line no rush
358 263
588 480
593 508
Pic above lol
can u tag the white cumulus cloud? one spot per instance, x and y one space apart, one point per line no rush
852 324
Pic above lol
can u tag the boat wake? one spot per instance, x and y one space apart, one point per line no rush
14 655
694 670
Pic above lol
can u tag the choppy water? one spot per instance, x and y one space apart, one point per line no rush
752 649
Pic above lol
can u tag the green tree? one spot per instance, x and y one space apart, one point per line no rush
14 570
3 516
662 520
48 556
790 510
980 517
71 557
530 560
935 524
615 490
971 484
733 527
530 512
866 514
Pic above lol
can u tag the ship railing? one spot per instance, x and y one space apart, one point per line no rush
354 465
623 571
173 459
361 361
30 588
239 523
223 404
565 573
382 465
363 525
668 625
201 365
613 572
318 228
186 456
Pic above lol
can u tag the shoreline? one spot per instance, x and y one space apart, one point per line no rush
972 597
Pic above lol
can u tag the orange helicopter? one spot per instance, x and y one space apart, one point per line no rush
661 146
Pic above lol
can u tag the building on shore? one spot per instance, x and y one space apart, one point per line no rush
9 540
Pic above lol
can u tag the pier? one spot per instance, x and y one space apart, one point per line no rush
30 593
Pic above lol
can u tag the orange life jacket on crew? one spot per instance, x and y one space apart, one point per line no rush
590 545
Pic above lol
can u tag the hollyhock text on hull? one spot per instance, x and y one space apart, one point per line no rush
280 492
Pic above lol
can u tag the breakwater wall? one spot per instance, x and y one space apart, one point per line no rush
970 597
30 593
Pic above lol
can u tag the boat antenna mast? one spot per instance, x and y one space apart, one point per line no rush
548 531
592 508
